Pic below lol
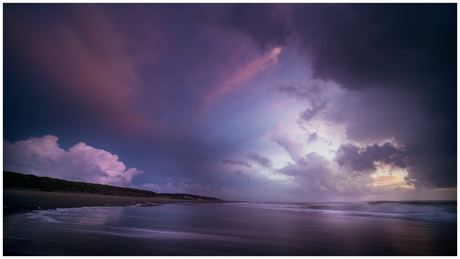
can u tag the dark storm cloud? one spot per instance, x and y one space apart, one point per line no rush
408 47
377 114
350 155
432 164
358 45
362 45
363 159
268 24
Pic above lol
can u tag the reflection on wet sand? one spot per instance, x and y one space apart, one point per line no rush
218 229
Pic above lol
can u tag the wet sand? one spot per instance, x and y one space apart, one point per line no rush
218 230
26 200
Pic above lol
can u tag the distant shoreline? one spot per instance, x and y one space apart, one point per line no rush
24 200
23 192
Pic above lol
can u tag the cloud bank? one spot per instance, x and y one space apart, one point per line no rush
43 157
395 62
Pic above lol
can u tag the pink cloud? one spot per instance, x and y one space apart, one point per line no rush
243 74
43 157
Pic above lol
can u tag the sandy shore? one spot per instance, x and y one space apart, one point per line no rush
219 230
26 200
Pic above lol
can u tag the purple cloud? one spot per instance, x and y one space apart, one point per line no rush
309 114
364 159
244 175
268 24
44 157
261 160
232 161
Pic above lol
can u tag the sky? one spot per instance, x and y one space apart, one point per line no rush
257 102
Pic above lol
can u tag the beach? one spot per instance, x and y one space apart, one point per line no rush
28 200
200 229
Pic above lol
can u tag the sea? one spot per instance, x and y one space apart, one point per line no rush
237 229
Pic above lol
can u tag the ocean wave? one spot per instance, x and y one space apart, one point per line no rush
432 211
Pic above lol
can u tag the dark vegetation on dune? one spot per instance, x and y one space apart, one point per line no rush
12 180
